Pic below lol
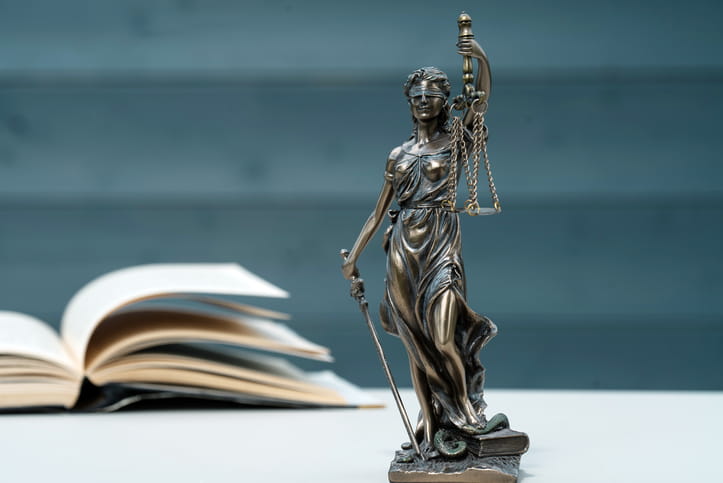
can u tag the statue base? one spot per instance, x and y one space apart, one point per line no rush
471 469
488 458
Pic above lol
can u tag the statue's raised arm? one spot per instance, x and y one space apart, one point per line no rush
478 91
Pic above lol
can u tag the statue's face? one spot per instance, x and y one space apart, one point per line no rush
427 100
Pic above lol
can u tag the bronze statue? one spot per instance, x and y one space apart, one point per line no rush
425 302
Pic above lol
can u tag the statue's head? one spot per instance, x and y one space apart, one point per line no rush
427 90
429 74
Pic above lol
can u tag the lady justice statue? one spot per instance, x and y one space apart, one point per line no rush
425 302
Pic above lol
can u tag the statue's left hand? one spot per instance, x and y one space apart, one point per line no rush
471 48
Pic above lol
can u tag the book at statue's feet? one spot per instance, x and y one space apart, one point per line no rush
502 442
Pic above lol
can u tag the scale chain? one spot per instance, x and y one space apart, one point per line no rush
471 166
471 206
452 180
490 179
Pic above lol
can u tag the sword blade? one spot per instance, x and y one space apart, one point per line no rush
364 306
357 292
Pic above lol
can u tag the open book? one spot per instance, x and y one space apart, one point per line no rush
122 336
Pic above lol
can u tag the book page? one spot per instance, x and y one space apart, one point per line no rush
135 329
237 307
197 363
116 289
268 373
26 336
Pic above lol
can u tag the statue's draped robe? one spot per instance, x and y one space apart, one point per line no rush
423 262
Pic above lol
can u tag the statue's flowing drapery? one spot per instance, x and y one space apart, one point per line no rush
423 263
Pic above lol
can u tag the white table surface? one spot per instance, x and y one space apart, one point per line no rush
576 436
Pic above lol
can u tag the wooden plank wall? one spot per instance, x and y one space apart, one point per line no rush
138 132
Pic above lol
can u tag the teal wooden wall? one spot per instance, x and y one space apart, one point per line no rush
137 132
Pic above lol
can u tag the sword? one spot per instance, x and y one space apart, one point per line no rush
357 292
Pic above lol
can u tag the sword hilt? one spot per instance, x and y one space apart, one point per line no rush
357 284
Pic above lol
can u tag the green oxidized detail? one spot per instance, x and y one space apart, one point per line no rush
498 421
448 445
407 457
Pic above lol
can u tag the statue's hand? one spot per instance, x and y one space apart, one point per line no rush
470 47
357 289
349 270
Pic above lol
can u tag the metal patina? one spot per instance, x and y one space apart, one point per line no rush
424 302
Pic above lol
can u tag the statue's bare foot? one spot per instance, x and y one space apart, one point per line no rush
471 415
